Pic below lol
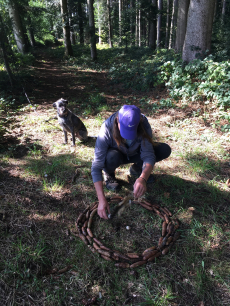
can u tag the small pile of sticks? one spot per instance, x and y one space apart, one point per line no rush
129 260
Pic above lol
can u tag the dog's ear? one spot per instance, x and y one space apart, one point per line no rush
55 105
64 101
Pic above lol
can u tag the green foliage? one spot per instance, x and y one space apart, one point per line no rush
23 59
207 81
5 105
94 104
142 71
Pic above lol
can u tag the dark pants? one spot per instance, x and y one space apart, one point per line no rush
115 158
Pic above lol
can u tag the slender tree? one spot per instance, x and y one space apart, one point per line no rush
80 22
132 22
99 22
92 30
17 25
31 31
139 25
153 24
167 24
66 28
159 21
136 24
110 36
120 16
6 51
199 29
173 24
183 6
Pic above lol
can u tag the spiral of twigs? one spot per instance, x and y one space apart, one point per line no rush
129 260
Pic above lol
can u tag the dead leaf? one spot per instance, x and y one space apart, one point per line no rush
166 195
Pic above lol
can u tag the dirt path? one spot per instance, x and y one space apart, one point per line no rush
54 79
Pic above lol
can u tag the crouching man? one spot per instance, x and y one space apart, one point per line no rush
124 138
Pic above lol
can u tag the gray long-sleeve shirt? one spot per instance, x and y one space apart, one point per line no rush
106 141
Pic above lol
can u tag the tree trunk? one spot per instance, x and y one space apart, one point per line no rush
139 26
223 11
31 32
17 27
71 26
99 22
5 51
109 25
183 6
173 24
66 28
167 25
81 28
223 8
92 30
120 12
159 20
199 29
132 27
136 25
153 25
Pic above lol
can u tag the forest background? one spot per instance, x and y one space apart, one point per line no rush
170 58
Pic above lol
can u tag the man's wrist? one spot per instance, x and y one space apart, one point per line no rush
143 179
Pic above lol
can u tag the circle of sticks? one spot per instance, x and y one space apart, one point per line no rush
129 260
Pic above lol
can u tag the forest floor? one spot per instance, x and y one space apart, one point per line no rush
45 185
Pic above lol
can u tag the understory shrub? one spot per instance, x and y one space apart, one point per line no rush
141 73
204 80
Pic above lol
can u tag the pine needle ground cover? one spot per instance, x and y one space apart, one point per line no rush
44 186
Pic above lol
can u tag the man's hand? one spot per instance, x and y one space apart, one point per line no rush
103 206
139 187
103 209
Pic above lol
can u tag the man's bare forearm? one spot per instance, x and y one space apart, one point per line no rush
99 190
103 206
146 171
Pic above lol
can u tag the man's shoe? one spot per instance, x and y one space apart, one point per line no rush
110 181
136 171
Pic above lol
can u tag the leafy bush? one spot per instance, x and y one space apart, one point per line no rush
207 81
141 73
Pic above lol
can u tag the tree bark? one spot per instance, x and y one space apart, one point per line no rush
92 30
199 29
66 28
136 25
71 25
81 28
31 32
132 27
17 27
183 6
173 24
120 12
223 8
153 25
99 22
139 26
110 36
167 25
159 21
5 51
223 12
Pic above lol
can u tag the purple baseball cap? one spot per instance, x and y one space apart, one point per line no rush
129 118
